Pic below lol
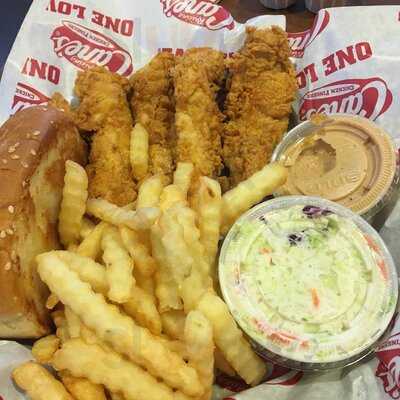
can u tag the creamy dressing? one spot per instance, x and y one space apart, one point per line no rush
306 283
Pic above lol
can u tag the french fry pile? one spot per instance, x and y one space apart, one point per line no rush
133 296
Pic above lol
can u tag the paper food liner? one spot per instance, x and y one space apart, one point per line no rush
347 62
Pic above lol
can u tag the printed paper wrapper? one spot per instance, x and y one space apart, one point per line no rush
347 62
59 38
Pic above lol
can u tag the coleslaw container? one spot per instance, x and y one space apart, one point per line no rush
310 282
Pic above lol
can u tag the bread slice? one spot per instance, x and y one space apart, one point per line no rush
34 145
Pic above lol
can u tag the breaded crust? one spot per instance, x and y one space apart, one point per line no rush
198 120
261 88
104 112
152 105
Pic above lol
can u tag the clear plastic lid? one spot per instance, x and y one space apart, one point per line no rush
308 280
348 159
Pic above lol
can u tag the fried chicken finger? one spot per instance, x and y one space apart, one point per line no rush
197 76
262 86
104 111
153 106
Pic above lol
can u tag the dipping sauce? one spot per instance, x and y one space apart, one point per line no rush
309 281
349 160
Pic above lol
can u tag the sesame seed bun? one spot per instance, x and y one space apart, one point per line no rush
34 145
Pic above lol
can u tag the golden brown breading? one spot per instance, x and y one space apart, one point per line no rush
152 105
262 86
104 110
58 101
197 76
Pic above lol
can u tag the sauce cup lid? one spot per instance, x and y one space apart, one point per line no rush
349 160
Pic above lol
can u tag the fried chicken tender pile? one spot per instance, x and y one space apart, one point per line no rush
152 105
104 110
175 99
262 86
197 76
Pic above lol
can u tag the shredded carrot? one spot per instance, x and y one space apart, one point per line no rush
372 244
287 335
282 337
383 269
315 297
275 337
267 253
305 344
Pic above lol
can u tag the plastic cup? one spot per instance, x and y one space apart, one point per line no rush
349 160
287 329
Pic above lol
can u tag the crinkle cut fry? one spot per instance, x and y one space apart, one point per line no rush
104 111
200 348
152 105
82 388
230 340
110 369
116 329
197 76
262 86
39 383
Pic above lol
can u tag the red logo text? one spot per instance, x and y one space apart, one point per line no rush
199 12
365 97
26 96
117 25
67 8
85 48
299 41
41 70
389 383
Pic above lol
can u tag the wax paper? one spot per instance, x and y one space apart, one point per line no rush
59 38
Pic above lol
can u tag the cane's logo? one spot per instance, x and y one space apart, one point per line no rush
26 96
85 48
299 41
365 97
199 12
388 369
394 369
389 383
